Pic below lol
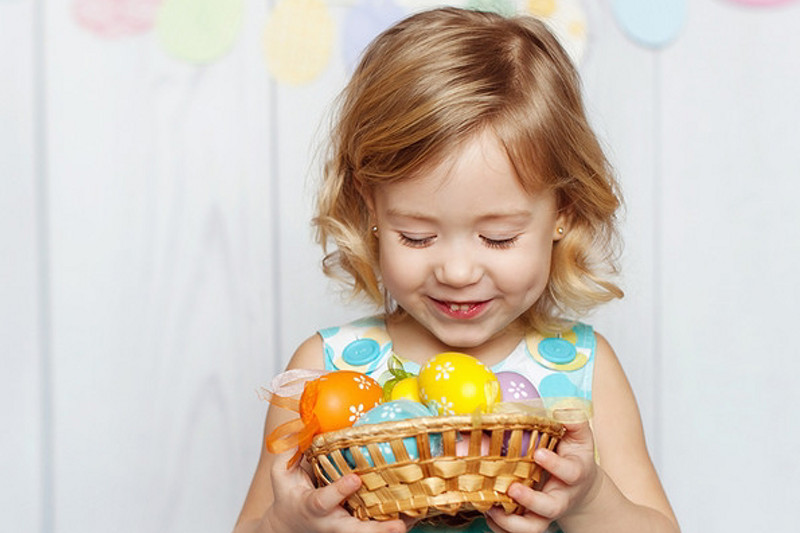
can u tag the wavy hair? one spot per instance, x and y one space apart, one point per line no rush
434 80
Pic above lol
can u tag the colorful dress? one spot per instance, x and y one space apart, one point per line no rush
557 369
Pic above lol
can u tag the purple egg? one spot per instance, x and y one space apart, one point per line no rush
516 387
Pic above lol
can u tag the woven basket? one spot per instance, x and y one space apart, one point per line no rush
442 486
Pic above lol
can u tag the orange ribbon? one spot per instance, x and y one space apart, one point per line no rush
294 433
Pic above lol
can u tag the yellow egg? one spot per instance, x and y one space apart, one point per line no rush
457 383
406 389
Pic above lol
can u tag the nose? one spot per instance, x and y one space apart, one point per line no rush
458 269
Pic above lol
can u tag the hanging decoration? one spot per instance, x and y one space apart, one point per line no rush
362 23
116 18
298 40
199 31
650 23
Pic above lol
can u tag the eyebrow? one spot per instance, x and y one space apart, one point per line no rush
485 217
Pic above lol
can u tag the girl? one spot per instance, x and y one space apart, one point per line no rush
468 196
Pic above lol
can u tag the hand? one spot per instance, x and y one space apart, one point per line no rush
299 506
574 481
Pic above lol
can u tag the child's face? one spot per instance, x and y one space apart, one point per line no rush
464 249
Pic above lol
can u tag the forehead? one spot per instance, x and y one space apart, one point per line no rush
476 179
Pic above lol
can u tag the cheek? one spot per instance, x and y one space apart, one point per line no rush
399 271
525 275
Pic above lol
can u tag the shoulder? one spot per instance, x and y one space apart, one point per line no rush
311 353
308 355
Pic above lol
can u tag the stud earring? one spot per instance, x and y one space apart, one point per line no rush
374 229
560 230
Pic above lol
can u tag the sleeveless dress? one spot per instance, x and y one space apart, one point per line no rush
557 369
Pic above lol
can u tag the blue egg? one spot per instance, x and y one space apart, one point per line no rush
391 412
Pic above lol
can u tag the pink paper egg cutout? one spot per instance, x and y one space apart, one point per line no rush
516 387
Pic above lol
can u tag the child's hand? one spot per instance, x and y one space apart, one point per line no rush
298 506
574 480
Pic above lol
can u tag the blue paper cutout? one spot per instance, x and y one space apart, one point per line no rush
651 23
362 23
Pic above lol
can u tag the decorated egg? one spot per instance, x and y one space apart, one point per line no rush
406 389
457 383
515 387
463 442
393 411
338 399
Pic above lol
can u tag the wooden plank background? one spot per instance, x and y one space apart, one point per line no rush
157 268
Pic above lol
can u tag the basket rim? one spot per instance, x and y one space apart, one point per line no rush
435 424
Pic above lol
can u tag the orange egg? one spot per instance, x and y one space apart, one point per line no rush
338 399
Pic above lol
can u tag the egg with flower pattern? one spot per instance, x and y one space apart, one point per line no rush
456 383
394 411
338 399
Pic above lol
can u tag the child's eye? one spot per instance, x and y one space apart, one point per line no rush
416 242
500 243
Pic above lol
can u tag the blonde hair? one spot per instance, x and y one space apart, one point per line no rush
431 82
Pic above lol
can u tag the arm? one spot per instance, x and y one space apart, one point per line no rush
622 494
285 500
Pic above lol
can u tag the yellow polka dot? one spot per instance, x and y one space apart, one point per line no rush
377 334
298 40
542 8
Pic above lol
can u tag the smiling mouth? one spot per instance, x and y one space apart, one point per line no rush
461 310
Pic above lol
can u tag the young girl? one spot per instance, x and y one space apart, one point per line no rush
467 195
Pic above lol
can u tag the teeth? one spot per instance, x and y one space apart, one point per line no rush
461 307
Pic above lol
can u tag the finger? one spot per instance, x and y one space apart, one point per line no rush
326 499
568 469
490 521
501 522
579 431
546 506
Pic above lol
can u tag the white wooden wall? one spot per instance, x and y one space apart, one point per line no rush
156 264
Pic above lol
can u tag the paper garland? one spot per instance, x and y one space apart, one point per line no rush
300 34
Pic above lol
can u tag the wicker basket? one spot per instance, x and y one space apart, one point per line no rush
442 486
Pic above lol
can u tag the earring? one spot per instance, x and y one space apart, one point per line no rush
560 230
374 229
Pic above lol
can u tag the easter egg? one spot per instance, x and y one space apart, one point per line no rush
406 388
338 399
393 411
463 443
457 383
515 387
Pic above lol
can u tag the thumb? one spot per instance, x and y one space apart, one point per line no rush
326 499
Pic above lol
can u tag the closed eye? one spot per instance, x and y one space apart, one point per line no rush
416 242
500 243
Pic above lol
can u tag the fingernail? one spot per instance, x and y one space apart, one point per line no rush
540 455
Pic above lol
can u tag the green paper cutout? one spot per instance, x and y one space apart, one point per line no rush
199 31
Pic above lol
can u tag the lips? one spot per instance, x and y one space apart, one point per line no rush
461 310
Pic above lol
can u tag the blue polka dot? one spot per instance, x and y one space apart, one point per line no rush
361 352
329 364
329 332
558 386
557 351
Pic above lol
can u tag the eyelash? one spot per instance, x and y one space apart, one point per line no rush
498 244
415 243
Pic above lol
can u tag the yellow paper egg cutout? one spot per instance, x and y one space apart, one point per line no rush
455 383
